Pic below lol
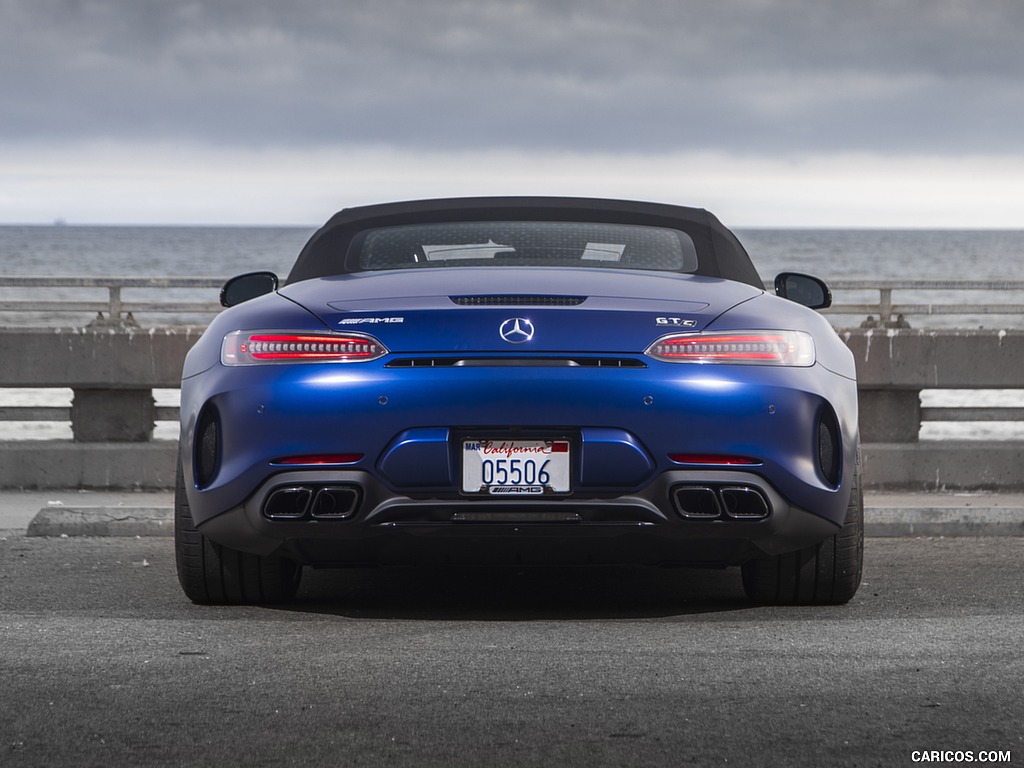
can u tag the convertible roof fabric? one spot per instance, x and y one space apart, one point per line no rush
719 253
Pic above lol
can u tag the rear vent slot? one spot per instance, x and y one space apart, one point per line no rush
610 362
516 362
207 447
511 300
422 362
829 447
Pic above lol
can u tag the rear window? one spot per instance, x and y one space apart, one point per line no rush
526 243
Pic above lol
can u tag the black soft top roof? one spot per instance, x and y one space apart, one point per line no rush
719 253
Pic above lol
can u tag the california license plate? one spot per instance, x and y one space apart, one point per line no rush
515 467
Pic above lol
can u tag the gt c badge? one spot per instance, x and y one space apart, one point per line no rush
675 322
516 330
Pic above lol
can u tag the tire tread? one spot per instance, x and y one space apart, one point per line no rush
212 574
828 573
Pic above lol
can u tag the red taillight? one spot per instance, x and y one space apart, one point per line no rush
320 459
790 348
713 458
261 347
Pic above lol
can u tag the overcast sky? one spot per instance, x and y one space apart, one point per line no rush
768 112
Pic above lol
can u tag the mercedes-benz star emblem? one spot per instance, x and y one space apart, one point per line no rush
516 330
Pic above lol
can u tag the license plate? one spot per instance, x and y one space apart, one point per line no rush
515 467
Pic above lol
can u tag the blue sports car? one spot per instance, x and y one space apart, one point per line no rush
521 381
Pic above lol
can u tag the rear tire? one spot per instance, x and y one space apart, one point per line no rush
828 573
212 574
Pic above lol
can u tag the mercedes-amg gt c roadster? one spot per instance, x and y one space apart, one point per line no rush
521 381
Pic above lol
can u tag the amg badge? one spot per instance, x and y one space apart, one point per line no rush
370 320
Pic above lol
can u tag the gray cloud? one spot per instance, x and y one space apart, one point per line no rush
651 75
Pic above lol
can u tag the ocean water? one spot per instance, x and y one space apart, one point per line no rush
224 251
219 252
106 250
948 255
101 251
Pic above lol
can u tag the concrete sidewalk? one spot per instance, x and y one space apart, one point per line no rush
944 514
127 513
87 513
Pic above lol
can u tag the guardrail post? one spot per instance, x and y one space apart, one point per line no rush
115 303
885 306
113 415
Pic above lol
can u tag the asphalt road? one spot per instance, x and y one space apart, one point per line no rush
104 663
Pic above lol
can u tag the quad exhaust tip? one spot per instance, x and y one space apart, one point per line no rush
743 502
335 502
730 502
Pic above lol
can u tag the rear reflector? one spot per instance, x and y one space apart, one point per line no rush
319 459
713 458
790 348
263 347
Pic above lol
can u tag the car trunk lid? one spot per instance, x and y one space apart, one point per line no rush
517 310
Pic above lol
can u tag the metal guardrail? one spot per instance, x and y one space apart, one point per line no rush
115 310
889 313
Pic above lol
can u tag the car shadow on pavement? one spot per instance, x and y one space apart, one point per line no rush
519 594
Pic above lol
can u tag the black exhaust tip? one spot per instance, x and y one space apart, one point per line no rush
742 502
697 502
721 502
287 503
335 503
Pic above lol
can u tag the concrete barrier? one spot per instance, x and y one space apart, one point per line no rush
894 366
112 372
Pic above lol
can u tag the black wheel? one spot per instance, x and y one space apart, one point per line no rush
212 574
828 573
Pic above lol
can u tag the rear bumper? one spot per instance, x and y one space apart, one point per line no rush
401 502
651 526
